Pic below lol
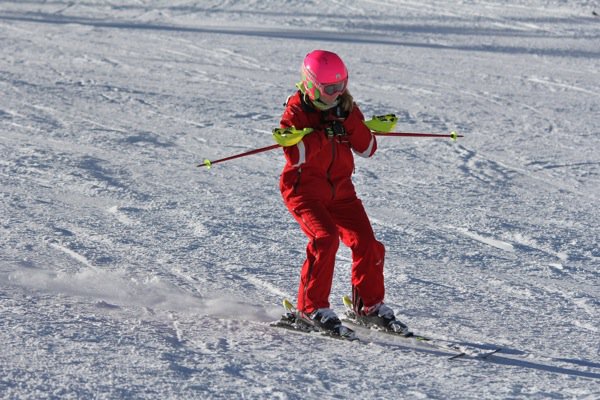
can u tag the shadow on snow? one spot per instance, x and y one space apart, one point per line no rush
292 34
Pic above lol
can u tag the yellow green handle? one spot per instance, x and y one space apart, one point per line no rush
289 136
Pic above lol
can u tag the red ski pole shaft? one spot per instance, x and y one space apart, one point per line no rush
452 135
209 163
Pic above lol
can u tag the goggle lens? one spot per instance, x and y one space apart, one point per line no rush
334 88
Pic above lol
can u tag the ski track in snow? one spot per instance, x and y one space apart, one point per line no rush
128 272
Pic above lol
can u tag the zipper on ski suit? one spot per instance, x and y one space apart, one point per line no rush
333 154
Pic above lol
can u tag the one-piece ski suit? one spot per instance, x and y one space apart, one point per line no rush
317 188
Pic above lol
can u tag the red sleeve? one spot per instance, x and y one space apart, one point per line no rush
361 139
309 146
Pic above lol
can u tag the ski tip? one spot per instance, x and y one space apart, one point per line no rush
347 301
459 355
288 305
490 353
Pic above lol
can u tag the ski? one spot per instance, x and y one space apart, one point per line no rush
291 320
458 350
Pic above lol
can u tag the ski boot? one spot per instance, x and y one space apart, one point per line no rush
382 316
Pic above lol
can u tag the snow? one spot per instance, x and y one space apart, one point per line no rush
128 272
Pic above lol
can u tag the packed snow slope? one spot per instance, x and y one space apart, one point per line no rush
128 272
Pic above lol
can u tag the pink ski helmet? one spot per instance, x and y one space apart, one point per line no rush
324 78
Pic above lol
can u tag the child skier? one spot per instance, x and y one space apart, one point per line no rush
317 188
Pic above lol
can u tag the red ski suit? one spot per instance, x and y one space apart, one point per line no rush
317 188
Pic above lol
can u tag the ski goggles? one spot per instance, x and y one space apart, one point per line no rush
326 94
335 88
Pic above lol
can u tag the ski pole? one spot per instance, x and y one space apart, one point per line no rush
382 125
208 163
453 135
283 137
299 134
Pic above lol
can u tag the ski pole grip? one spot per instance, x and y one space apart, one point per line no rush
382 123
